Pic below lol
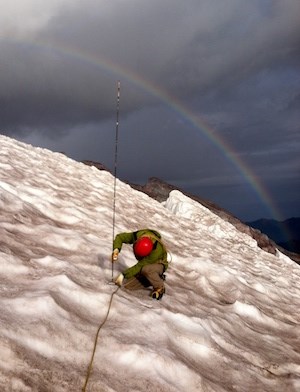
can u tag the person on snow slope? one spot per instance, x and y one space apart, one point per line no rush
151 254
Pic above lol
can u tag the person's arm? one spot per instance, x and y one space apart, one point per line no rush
123 238
135 269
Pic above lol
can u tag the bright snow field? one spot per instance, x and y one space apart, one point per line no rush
229 320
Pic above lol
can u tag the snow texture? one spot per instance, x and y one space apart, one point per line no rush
229 320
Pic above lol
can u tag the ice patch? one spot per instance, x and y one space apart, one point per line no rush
10 265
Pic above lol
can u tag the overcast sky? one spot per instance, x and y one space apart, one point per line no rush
210 92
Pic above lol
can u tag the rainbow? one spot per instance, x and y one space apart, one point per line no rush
198 123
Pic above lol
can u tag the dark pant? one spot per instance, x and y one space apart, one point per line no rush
150 275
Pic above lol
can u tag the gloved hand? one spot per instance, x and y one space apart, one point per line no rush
119 280
115 254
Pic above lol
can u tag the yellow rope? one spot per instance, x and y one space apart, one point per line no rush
95 343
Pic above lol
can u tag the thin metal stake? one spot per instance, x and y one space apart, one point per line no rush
115 169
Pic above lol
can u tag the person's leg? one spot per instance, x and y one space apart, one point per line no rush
153 273
137 282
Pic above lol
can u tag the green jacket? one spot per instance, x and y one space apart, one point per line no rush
158 254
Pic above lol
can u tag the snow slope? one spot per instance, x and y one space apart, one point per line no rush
228 322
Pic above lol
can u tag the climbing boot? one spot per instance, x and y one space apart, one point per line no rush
158 293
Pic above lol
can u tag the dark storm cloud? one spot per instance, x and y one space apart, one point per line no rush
186 48
235 63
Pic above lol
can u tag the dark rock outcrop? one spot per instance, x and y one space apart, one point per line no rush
98 165
285 233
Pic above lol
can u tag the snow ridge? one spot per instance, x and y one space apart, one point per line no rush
229 320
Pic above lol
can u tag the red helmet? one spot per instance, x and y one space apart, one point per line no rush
142 247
